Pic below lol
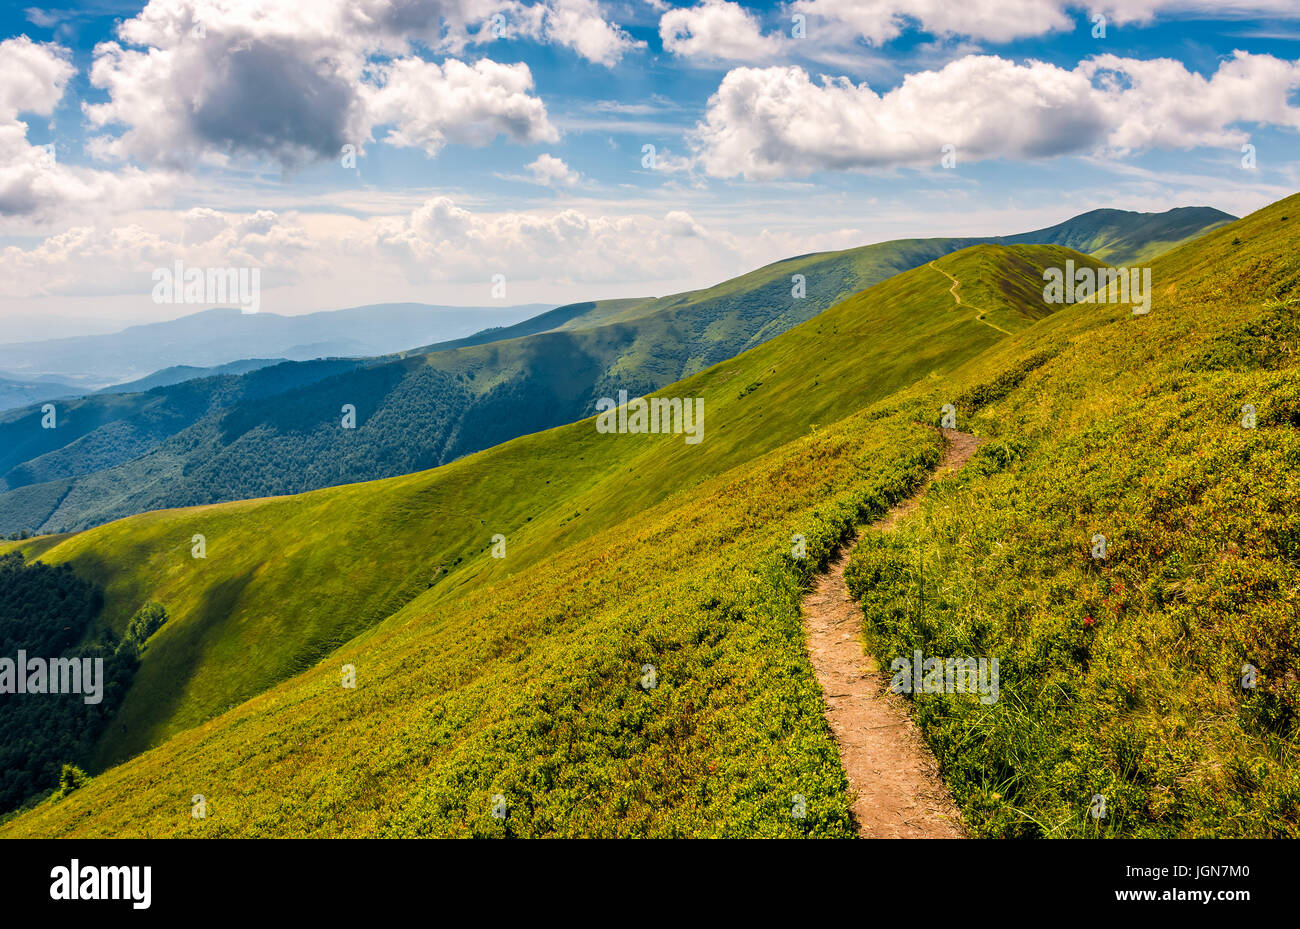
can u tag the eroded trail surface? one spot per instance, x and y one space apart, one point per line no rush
894 778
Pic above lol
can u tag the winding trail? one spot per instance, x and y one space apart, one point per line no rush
979 314
894 779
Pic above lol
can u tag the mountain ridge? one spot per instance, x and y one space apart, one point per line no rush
213 337
428 405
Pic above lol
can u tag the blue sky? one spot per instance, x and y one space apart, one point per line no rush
214 132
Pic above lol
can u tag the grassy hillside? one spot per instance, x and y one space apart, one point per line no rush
167 448
527 676
1124 239
321 567
1129 676
112 457
536 688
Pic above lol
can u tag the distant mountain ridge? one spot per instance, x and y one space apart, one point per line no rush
16 392
215 337
220 439
180 373
1121 238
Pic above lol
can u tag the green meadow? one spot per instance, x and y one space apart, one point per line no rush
635 665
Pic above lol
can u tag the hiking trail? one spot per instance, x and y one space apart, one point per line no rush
893 777
979 314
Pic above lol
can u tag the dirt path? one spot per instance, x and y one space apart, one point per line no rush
979 314
895 781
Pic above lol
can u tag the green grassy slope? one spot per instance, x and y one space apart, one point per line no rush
112 457
288 580
523 676
535 687
1123 677
1123 239
115 456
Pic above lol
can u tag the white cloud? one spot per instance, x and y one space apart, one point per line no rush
429 104
442 241
577 24
217 78
44 19
192 80
550 171
202 224
37 187
1145 11
34 184
1160 104
33 78
776 122
92 260
880 21
437 243
716 29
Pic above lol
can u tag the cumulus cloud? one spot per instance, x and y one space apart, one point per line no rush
428 104
1160 104
716 29
33 78
227 94
550 171
35 186
202 224
91 260
33 182
765 123
880 21
577 25
294 82
438 242
442 241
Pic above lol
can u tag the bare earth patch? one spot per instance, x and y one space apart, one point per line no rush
897 790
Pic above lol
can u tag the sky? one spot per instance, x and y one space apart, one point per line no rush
479 152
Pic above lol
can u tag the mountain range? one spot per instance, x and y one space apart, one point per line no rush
278 429
223 335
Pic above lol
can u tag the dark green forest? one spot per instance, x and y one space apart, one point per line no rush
49 612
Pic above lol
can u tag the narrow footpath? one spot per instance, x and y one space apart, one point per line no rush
979 314
895 780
